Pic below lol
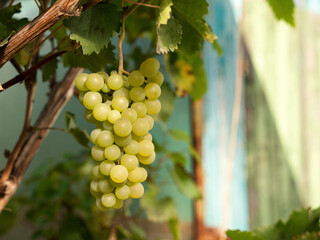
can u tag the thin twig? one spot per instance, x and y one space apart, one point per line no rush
132 8
16 65
143 4
48 128
121 38
90 4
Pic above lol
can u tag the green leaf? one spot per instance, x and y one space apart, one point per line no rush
283 10
194 153
7 220
158 210
178 158
216 46
177 134
308 236
174 228
9 25
165 11
191 41
94 62
137 233
238 235
169 36
167 99
185 183
95 27
200 85
49 69
70 120
80 135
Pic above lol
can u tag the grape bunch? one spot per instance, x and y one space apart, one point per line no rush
122 109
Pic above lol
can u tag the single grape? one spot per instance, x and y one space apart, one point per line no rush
108 200
105 167
113 116
129 161
120 103
89 116
113 72
96 194
150 121
136 190
115 81
81 81
94 185
146 148
108 102
105 88
149 67
132 148
104 75
122 141
100 111
123 192
138 174
105 186
140 108
125 81
91 99
112 152
136 138
147 160
119 174
106 125
152 91
130 114
115 184
81 95
119 204
100 206
105 138
97 153
94 82
153 106
140 127
122 127
123 92
136 79
137 94
96 171
158 79
148 137
94 134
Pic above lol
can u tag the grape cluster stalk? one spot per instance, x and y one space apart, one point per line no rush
122 108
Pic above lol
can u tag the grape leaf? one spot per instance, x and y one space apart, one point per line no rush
200 85
70 120
283 10
177 134
49 69
167 100
169 36
7 220
185 182
165 11
178 158
80 135
191 41
174 227
95 27
9 25
239 235
94 62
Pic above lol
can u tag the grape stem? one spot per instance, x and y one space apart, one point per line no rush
121 38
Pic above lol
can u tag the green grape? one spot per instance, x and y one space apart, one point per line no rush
94 82
115 81
108 102
119 174
113 72
81 81
123 192
136 190
153 106
105 186
97 153
105 138
158 79
96 194
123 92
108 200
100 206
112 152
89 116
125 81
100 111
132 148
91 99
117 184
105 88
138 174
146 148
105 167
140 108
94 134
122 127
152 91
96 171
148 137
150 121
136 79
129 161
120 103
106 125
122 141
81 95
119 204
147 160
137 94
136 138
140 127
149 67
94 185
130 114
104 75
113 116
